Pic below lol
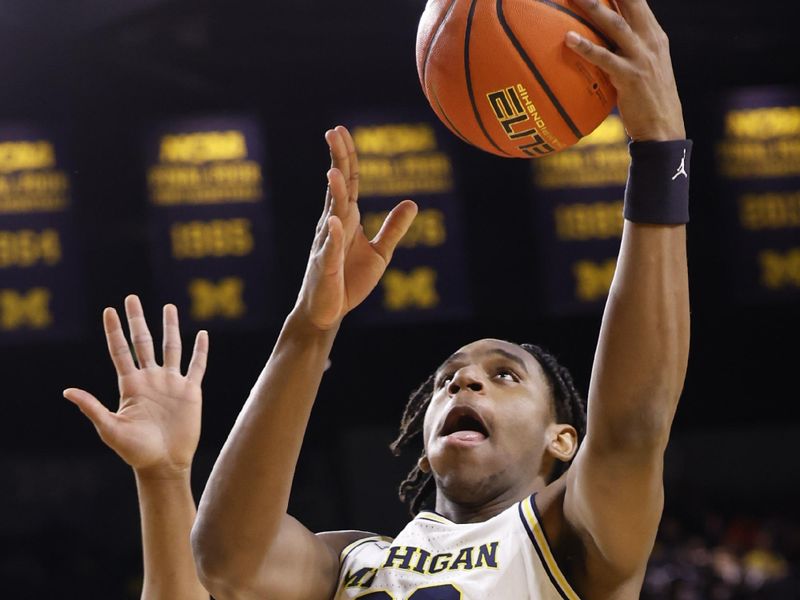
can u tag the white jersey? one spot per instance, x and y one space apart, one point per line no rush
505 558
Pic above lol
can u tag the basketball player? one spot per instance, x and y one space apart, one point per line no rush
497 419
155 431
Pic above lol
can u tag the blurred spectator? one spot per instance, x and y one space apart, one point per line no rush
724 559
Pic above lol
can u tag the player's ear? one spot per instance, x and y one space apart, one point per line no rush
562 441
424 464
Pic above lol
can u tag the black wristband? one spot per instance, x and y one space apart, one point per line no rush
658 183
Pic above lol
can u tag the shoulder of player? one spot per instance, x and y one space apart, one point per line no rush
565 542
575 551
340 541
550 505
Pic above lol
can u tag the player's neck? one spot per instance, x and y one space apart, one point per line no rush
477 513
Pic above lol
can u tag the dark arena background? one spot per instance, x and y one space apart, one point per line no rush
175 149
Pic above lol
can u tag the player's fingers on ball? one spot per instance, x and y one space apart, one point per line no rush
354 169
118 348
646 23
394 228
141 338
658 38
641 17
611 23
636 12
171 344
597 55
197 365
90 406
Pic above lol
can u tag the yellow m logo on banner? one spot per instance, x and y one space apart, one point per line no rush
222 299
31 309
416 289
779 270
593 280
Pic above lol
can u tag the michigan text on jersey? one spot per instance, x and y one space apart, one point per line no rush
411 558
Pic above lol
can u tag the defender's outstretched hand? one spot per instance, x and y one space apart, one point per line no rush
344 266
157 425
640 69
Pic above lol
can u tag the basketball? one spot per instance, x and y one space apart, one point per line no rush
499 76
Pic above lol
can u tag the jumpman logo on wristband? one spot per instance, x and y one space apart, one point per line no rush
682 168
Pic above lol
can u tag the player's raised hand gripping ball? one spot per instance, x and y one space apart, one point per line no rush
498 74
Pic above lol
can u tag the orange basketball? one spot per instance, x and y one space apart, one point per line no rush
498 74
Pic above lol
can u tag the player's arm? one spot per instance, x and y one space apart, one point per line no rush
155 430
245 544
614 492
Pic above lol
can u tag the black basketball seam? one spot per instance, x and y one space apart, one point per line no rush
536 73
609 44
446 118
470 91
432 42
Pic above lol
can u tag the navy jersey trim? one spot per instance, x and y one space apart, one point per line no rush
541 522
433 516
540 554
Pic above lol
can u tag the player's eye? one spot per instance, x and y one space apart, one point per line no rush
506 374
444 379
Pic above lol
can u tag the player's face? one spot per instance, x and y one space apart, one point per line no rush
488 423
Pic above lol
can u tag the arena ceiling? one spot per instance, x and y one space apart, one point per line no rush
175 50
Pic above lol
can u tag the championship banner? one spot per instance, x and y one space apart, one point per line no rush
578 218
210 237
40 291
759 162
403 158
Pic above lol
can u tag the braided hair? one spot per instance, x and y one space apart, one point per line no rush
568 404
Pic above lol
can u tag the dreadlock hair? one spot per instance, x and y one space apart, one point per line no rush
569 408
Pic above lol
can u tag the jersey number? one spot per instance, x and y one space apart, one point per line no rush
435 592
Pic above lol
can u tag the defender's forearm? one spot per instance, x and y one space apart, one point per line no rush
167 514
247 494
644 339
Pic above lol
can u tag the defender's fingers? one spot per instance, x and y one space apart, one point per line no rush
611 24
90 406
340 204
326 207
332 257
323 219
197 366
597 55
322 232
118 347
352 183
171 344
140 333
394 228
340 157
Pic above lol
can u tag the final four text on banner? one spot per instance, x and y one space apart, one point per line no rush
759 162
210 234
578 214
40 291
403 158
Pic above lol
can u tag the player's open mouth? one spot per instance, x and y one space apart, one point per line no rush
464 424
